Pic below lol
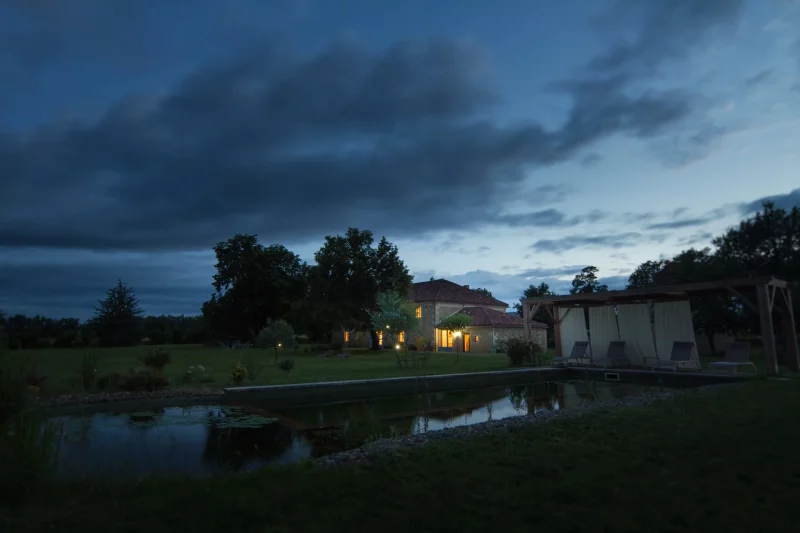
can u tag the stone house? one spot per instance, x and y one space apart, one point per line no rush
438 299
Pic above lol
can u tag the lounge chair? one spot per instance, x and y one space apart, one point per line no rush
578 354
681 353
737 354
615 357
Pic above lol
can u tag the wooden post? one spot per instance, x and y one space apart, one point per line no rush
557 331
767 334
789 331
526 319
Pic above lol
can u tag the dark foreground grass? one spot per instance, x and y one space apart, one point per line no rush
726 461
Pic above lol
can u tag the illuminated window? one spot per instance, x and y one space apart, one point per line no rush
380 338
477 338
445 339
346 336
401 337
419 312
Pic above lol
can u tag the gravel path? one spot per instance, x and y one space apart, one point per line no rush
104 397
383 446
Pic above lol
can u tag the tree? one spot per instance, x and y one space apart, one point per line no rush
644 274
348 275
586 282
456 324
117 320
485 292
253 284
276 334
537 291
394 314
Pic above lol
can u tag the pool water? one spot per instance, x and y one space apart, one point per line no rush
203 440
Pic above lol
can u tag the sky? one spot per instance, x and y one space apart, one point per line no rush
496 144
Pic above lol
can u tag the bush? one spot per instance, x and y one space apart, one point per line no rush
253 367
156 359
144 380
517 351
239 372
337 346
88 370
286 365
110 381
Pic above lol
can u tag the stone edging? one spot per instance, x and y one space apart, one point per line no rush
106 397
384 446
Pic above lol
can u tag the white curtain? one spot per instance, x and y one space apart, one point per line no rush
635 330
602 330
673 322
573 328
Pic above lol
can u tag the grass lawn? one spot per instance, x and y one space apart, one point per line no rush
61 366
726 461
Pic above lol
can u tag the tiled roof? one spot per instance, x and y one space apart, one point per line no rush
441 290
484 316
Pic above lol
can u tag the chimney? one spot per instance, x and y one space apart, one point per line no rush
466 286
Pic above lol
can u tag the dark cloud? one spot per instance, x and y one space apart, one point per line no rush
701 237
591 160
678 223
758 78
543 218
292 148
667 30
550 272
782 201
613 241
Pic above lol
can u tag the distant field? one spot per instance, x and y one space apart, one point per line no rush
61 365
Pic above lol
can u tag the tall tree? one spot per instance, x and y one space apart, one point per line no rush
348 275
253 284
537 291
586 282
117 320
644 274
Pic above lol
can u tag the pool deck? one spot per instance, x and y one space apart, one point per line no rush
281 396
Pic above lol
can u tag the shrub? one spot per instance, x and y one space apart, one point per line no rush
517 351
110 381
239 372
286 365
156 359
88 369
336 346
501 346
253 367
194 373
144 380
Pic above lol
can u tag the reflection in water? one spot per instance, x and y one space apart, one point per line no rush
207 440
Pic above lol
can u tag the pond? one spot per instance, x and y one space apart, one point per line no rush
203 440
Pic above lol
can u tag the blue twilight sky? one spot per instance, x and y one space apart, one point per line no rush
497 144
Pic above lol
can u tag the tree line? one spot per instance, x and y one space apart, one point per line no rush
255 284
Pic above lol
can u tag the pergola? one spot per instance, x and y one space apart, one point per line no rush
769 293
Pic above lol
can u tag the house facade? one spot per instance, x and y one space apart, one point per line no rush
436 300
